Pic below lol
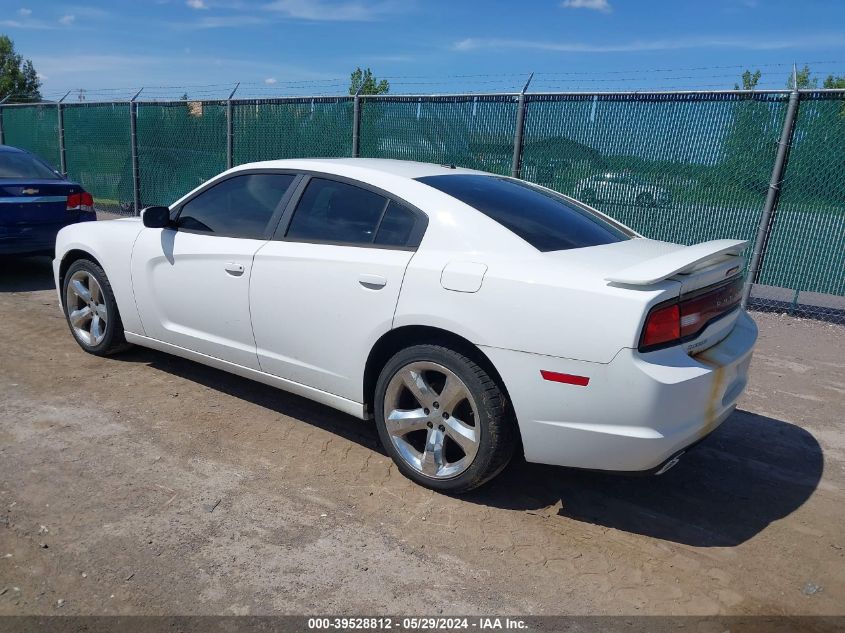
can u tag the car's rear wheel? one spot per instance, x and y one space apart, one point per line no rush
90 309
645 199
443 419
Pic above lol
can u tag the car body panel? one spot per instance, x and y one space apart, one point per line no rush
635 412
110 243
192 291
307 301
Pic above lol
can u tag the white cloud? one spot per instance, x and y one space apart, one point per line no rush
346 11
41 76
67 20
760 43
593 5
25 12
270 81
196 4
222 22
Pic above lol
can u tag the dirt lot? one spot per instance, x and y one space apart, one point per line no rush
149 484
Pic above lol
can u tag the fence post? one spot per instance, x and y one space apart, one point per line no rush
516 165
773 195
230 129
356 123
61 122
133 138
2 133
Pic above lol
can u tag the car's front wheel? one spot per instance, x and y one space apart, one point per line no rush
443 419
90 309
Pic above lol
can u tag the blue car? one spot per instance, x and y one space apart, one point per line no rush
35 202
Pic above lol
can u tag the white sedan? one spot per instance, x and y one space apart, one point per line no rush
468 313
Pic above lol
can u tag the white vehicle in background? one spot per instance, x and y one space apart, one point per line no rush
621 188
468 313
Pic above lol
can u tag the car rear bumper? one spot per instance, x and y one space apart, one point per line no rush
23 239
634 413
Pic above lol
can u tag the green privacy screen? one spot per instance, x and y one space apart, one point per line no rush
680 168
98 155
295 128
180 146
806 247
473 131
33 128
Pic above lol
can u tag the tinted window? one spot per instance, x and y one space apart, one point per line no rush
237 207
396 225
22 165
546 221
331 211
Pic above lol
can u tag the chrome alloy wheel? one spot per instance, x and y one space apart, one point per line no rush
432 419
86 308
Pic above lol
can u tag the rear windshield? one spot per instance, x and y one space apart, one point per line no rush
543 219
22 165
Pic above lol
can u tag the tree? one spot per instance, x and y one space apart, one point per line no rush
805 79
749 80
367 83
832 82
17 76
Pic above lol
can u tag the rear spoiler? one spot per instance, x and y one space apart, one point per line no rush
680 261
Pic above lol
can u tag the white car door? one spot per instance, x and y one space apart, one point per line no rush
191 280
325 289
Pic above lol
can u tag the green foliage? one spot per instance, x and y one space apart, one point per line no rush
17 76
806 81
364 81
749 80
832 82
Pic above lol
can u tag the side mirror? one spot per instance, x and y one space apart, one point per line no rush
155 217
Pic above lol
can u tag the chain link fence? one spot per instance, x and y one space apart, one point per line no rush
268 130
683 167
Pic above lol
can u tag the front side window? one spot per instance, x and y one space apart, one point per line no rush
332 211
26 166
241 206
545 220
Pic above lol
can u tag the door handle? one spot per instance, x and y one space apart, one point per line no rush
236 270
372 282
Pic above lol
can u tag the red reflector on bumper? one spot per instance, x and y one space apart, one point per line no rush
569 379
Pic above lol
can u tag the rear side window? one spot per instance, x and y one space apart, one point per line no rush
546 221
332 211
25 166
241 206
396 226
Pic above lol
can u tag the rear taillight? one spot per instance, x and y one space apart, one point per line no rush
80 202
672 323
662 326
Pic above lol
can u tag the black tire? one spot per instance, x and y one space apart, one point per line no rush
645 199
589 196
113 340
494 421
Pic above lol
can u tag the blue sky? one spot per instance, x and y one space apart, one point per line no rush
279 47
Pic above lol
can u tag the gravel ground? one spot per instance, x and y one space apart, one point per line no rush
147 484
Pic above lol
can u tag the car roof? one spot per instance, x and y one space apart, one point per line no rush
9 148
353 166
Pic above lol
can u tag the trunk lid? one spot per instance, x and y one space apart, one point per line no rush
35 201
